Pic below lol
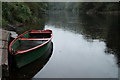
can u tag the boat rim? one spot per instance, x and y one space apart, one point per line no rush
25 51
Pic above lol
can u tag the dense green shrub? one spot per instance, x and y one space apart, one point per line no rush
22 12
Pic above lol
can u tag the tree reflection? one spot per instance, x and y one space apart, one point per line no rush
105 28
102 27
113 38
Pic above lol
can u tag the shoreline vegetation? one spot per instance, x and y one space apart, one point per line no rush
19 14
88 7
102 8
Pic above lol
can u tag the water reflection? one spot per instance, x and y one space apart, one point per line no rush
80 46
113 39
105 28
28 71
101 27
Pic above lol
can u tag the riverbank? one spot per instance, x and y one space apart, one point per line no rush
4 38
4 41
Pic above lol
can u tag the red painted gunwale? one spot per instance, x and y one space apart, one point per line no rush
31 31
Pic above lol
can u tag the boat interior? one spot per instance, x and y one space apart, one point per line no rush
30 40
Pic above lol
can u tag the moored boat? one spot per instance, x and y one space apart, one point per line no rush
30 46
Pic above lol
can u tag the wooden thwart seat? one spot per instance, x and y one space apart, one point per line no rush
34 39
40 32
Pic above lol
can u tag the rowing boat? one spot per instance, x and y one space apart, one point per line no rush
30 46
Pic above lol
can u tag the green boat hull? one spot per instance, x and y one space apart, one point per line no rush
28 57
30 46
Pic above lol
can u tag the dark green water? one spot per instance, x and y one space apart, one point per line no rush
85 46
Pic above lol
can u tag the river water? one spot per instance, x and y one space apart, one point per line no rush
84 46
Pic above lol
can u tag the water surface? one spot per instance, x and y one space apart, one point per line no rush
85 46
